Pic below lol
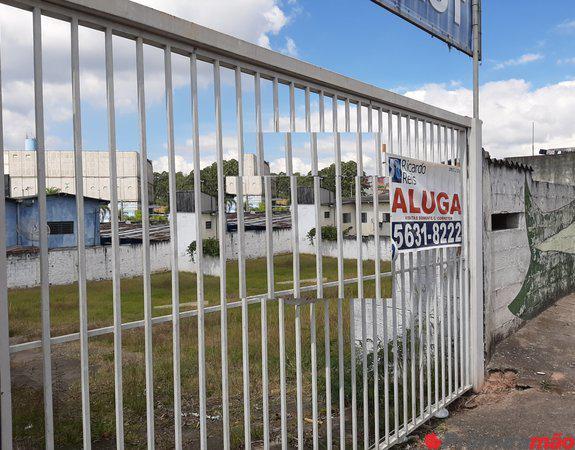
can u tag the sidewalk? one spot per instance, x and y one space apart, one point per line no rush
530 388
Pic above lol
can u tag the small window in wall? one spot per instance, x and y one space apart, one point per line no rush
385 217
208 224
346 217
506 221
363 217
65 227
326 215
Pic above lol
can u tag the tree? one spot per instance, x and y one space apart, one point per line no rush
208 177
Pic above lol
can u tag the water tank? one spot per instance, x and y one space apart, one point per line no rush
31 144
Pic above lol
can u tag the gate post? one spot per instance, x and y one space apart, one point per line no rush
475 242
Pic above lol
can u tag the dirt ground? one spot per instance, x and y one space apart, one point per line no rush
529 390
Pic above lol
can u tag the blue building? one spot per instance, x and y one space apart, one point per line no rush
22 223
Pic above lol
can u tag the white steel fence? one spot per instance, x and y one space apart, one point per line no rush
360 354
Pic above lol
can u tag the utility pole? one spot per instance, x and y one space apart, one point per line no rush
532 138
475 237
476 23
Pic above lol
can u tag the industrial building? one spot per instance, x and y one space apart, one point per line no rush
21 168
22 221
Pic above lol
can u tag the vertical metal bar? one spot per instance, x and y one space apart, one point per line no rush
414 313
242 260
321 112
360 286
296 287
402 299
199 252
369 119
353 375
319 282
404 348
43 229
427 330
394 309
269 262
313 305
340 275
442 299
462 148
435 283
282 341
313 312
116 287
173 217
5 375
449 302
222 238
148 311
80 235
292 115
276 105
307 111
347 117
410 150
384 304
377 298
420 270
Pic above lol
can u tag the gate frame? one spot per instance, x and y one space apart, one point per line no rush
152 27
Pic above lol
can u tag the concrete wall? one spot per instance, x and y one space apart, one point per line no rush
282 243
24 269
552 168
520 278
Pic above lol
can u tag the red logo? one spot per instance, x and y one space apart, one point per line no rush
432 441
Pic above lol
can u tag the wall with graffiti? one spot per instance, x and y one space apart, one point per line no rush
529 246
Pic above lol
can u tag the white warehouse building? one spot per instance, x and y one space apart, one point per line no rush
20 166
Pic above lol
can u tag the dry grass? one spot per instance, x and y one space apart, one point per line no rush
25 325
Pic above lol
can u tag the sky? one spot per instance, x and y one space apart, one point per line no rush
527 74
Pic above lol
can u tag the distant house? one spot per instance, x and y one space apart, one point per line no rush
22 221
186 210
369 224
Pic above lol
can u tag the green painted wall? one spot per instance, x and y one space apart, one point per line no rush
551 272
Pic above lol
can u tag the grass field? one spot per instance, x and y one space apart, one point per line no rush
27 375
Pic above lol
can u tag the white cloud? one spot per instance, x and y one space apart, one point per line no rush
252 20
566 61
182 165
290 47
522 60
508 108
567 25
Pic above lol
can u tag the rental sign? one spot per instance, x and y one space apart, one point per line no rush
426 204
448 20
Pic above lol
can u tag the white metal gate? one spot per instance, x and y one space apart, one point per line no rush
359 353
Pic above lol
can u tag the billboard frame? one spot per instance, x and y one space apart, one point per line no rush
433 31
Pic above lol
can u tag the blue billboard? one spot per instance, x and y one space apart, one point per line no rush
448 20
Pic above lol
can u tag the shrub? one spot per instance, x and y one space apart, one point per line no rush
210 247
328 233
